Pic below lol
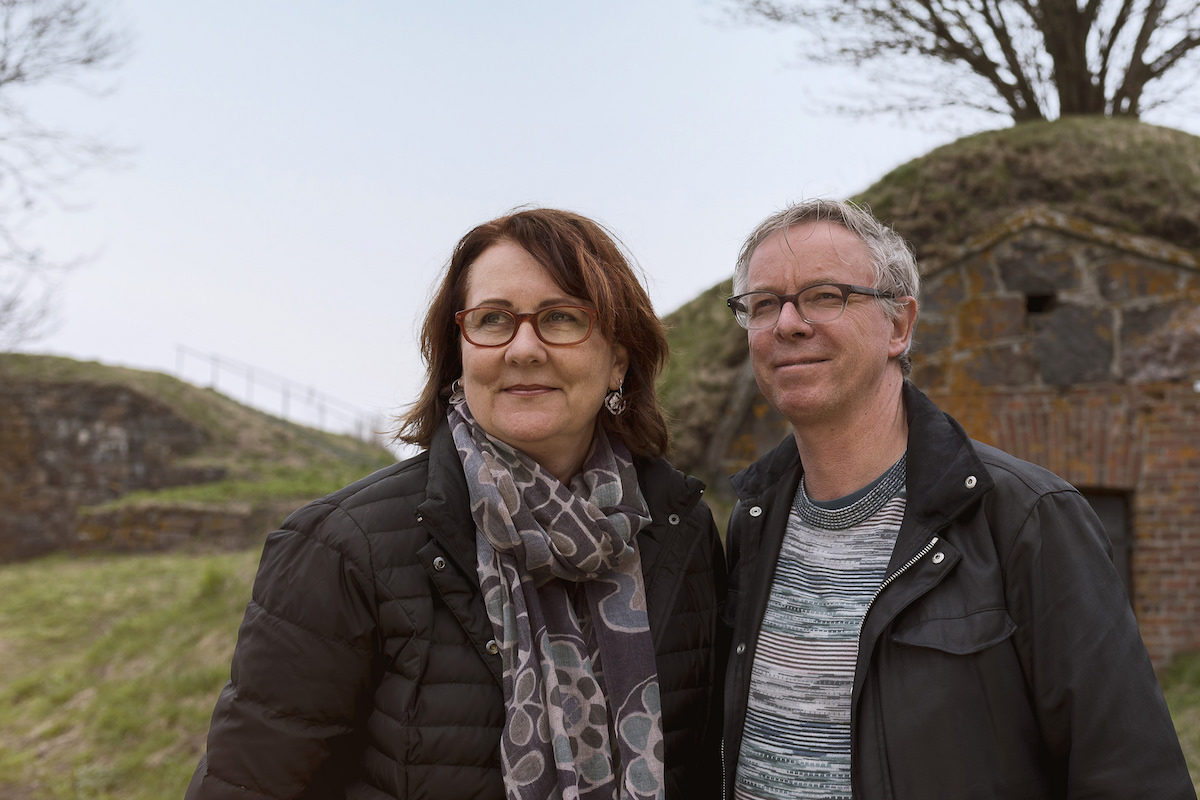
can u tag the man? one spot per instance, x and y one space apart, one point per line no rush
916 615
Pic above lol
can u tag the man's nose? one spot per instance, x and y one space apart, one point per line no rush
791 320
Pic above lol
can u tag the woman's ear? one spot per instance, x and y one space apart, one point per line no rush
620 366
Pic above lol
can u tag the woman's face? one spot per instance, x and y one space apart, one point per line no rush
541 399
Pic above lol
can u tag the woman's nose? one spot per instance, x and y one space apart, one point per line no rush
525 343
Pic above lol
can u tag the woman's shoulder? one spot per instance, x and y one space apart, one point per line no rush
660 474
665 485
404 477
374 501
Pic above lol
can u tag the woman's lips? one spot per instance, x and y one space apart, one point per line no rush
528 389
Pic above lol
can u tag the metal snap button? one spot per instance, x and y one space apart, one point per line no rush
439 563
673 519
741 648
970 482
939 558
756 511
492 646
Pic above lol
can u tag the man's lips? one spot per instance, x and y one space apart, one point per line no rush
799 362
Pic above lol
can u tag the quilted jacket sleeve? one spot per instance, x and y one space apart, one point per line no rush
301 676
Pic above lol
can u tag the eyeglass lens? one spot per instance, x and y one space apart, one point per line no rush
492 327
821 303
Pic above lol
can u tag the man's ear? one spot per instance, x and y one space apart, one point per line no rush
902 327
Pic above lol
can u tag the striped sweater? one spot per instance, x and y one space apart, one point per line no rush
796 740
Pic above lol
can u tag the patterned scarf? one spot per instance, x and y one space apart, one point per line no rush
562 582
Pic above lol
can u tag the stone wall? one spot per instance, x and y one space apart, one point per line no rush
68 445
1046 301
177 528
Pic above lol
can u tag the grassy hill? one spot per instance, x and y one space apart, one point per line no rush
110 664
109 668
1123 174
263 458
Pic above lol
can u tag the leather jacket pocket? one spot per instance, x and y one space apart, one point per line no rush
959 635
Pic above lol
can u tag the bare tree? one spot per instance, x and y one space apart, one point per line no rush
1028 59
42 43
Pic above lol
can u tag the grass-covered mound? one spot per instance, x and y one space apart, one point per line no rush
1127 175
260 458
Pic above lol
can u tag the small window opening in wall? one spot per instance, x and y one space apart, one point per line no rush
1040 303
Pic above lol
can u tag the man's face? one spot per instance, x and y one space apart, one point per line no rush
828 372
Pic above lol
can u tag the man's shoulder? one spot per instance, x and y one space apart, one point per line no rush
1013 472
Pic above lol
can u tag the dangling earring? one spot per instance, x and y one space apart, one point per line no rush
615 401
457 395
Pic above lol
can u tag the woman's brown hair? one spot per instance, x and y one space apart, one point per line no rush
585 261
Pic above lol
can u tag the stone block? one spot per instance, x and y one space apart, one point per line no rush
1035 265
983 320
1074 344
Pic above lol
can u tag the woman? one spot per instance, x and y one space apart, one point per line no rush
527 609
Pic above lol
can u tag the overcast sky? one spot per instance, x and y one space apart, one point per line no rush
298 172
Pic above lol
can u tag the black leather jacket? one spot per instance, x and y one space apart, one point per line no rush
1000 659
363 667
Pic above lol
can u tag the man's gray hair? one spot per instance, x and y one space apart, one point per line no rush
892 259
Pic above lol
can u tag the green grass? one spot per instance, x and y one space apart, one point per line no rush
1181 685
109 668
272 483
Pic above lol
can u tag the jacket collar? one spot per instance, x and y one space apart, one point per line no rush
447 504
941 465
945 475
766 471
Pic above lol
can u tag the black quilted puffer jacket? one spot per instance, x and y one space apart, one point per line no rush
364 664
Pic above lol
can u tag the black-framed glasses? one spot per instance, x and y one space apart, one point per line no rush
486 326
821 302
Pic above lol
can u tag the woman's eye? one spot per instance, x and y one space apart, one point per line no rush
561 316
493 318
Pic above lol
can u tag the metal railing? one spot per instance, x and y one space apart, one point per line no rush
277 395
